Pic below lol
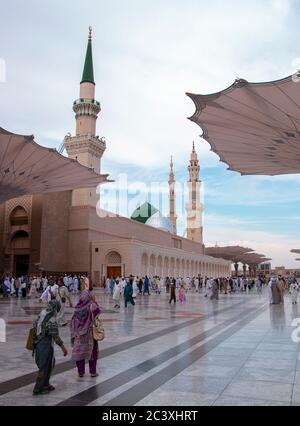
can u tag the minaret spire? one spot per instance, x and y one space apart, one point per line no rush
172 210
86 147
88 69
194 207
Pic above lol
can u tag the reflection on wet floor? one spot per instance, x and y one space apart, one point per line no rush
237 351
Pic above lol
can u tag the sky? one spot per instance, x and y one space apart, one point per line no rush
147 55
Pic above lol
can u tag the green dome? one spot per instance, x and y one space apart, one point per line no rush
143 212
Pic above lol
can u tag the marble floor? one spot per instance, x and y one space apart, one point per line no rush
237 351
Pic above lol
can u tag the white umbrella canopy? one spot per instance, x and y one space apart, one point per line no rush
27 168
233 253
253 127
254 259
296 251
237 254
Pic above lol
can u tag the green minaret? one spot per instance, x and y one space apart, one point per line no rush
88 70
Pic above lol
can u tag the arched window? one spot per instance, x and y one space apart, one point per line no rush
19 217
20 234
145 264
113 258
145 259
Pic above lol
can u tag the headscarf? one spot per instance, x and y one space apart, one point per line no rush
273 281
82 318
47 315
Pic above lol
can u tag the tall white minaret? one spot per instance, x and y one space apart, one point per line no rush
86 147
194 207
172 211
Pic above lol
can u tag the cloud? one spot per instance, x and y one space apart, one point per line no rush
283 7
142 73
146 56
274 245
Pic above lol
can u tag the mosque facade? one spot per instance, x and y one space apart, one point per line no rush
63 233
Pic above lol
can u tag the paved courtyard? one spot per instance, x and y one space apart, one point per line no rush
237 351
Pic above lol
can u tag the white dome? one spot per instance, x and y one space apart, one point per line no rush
160 222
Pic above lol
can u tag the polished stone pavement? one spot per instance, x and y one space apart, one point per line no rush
237 351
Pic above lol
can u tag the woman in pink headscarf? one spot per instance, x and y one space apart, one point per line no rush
84 345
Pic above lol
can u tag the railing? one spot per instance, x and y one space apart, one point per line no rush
86 101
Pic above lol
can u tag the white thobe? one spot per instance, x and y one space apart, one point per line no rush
47 294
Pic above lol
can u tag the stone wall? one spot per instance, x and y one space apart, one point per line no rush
54 233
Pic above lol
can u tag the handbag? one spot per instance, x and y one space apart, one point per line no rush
30 339
97 328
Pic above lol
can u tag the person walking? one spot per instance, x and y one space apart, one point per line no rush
173 292
50 292
23 287
168 283
62 296
274 291
258 285
294 288
128 293
112 286
214 290
81 326
146 286
46 332
197 284
17 286
117 294
135 289
225 285
140 285
75 285
6 287
182 294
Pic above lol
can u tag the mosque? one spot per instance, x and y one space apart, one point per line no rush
62 232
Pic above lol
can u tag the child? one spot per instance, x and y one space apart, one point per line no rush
294 293
182 296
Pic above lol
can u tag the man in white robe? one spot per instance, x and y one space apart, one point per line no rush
66 280
32 291
294 292
50 292
12 286
107 286
197 284
44 283
162 284
6 287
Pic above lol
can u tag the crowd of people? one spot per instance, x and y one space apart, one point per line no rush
128 288
25 286
131 287
57 292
